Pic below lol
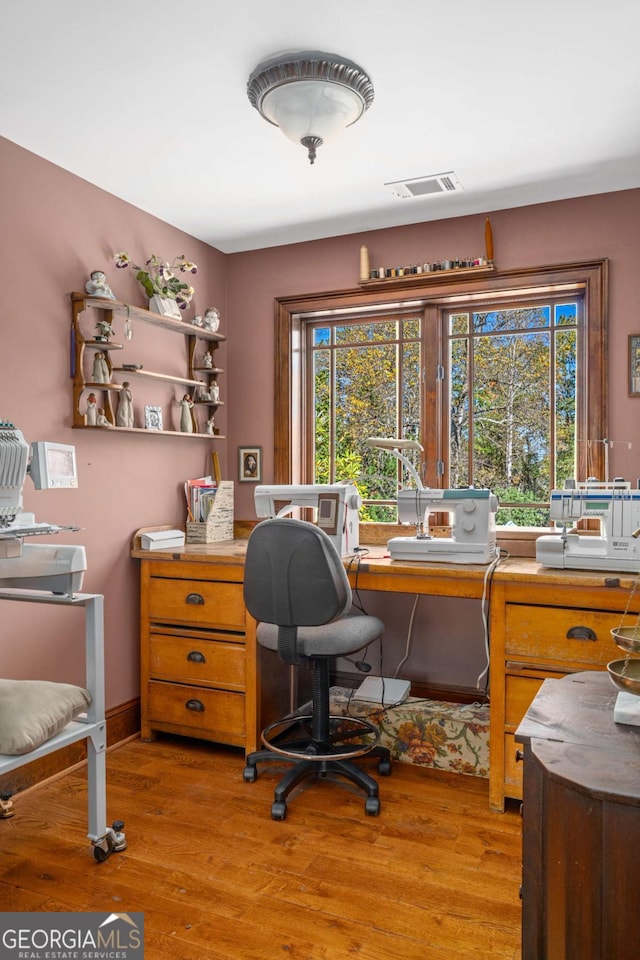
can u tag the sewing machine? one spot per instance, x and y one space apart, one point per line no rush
472 516
55 569
616 547
337 506
472 520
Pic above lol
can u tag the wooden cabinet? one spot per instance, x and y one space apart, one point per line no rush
544 623
120 364
202 672
581 824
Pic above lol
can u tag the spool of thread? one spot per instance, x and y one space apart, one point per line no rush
364 263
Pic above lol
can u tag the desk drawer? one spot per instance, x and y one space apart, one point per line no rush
212 714
520 691
512 768
215 604
558 633
208 662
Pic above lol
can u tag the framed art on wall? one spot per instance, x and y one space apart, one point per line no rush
250 464
634 365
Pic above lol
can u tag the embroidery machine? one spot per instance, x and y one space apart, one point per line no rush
473 520
337 506
47 567
616 547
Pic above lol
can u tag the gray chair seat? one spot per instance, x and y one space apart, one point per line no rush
337 639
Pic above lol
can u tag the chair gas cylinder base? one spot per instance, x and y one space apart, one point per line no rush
320 745
296 587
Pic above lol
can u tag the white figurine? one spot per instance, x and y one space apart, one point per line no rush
101 372
197 321
210 426
214 392
186 418
207 360
92 413
211 319
124 413
97 285
102 420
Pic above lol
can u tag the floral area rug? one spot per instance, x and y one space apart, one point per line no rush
430 733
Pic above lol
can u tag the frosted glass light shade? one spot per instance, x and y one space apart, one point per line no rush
311 96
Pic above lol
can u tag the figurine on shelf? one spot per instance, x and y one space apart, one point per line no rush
210 427
91 416
102 419
105 330
211 319
214 392
97 285
101 371
207 360
124 413
197 321
186 416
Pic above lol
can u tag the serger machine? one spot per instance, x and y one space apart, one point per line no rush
47 567
472 517
617 545
336 506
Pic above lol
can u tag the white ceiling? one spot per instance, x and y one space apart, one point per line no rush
525 100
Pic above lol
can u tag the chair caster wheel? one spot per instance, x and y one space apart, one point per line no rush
372 806
249 774
278 810
384 768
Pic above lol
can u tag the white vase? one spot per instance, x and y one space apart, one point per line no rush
165 306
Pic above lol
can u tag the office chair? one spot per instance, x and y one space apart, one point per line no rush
297 589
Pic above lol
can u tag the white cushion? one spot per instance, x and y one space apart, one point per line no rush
33 711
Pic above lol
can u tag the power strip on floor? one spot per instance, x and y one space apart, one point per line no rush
383 690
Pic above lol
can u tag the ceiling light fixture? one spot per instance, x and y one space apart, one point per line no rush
311 96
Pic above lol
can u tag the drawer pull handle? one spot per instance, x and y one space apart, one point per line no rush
196 657
581 633
519 756
196 705
196 599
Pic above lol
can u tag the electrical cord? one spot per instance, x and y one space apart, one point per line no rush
486 597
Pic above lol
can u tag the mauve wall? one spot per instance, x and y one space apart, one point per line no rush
56 229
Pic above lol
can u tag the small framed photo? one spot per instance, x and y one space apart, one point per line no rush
152 417
250 464
634 365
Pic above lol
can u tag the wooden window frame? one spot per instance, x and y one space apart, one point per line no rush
589 276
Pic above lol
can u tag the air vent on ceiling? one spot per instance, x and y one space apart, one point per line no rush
425 186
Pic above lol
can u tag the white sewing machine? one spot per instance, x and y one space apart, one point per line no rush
337 506
616 547
55 569
472 519
472 516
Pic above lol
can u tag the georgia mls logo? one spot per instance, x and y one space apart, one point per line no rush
71 936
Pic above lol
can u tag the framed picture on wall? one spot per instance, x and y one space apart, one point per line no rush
634 365
250 464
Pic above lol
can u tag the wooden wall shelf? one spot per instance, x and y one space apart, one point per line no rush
197 385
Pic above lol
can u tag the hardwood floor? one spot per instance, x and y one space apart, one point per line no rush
435 877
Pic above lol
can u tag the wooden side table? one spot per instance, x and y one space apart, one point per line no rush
581 824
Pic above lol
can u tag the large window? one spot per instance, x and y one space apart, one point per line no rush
501 380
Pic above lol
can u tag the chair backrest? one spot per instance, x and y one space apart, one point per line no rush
294 576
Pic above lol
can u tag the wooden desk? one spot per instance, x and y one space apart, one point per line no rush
543 623
581 824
